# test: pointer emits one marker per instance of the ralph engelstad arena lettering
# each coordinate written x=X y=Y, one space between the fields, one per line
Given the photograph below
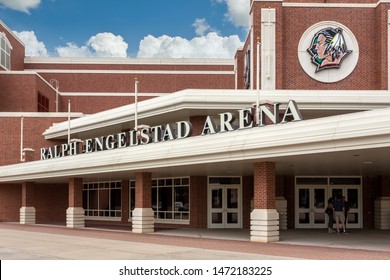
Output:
x=178 y=130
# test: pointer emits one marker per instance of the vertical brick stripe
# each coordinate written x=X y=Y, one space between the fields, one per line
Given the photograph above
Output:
x=143 y=190
x=264 y=185
x=75 y=192
x=27 y=194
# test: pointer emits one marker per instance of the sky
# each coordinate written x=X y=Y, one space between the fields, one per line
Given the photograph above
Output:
x=128 y=28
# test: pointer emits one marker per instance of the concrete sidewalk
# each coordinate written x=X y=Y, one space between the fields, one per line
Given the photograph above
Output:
x=40 y=242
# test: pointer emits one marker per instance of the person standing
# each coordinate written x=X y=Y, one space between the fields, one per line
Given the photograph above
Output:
x=339 y=211
x=346 y=210
x=329 y=211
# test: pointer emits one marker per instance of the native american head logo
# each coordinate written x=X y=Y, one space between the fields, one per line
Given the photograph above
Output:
x=328 y=48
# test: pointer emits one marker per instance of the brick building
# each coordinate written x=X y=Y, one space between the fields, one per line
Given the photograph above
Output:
x=260 y=141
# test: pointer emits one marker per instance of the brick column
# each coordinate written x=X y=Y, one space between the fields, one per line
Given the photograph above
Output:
x=143 y=214
x=27 y=211
x=75 y=217
x=264 y=217
x=125 y=201
x=198 y=201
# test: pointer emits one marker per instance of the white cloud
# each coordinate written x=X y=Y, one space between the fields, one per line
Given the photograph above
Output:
x=101 y=45
x=210 y=46
x=201 y=26
x=238 y=12
x=108 y=45
x=32 y=46
x=20 y=5
x=72 y=50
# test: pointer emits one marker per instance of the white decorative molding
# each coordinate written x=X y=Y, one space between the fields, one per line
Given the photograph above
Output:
x=27 y=215
x=264 y=225
x=75 y=217
x=382 y=213
x=143 y=220
x=268 y=49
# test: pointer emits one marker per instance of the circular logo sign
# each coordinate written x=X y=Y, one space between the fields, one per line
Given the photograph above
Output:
x=328 y=52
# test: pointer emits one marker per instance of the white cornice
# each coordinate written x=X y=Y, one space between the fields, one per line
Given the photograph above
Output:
x=128 y=61
x=39 y=115
x=147 y=72
x=330 y=5
x=105 y=94
x=325 y=5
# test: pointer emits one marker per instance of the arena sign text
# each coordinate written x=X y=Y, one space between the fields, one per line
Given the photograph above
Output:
x=179 y=130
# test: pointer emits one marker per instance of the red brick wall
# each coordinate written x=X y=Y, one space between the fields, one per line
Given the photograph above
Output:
x=33 y=129
x=19 y=93
x=247 y=195
x=10 y=202
x=51 y=202
x=198 y=201
x=150 y=83
x=371 y=189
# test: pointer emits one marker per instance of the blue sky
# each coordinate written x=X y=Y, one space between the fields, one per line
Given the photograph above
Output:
x=153 y=28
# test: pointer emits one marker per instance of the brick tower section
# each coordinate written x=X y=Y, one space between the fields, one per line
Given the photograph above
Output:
x=264 y=217
x=27 y=211
x=75 y=217
x=143 y=214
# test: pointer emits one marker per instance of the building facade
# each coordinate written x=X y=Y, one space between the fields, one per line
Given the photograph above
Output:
x=260 y=141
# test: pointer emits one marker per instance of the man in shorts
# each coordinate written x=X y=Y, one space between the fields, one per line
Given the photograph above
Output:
x=339 y=210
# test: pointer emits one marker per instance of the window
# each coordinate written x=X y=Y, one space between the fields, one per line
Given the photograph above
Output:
x=102 y=199
x=171 y=198
x=43 y=103
x=5 y=52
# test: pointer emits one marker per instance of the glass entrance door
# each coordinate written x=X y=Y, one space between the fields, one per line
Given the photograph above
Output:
x=311 y=199
x=224 y=206
x=352 y=196
x=311 y=207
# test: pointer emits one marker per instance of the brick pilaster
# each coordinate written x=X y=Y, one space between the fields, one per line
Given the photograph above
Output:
x=75 y=217
x=143 y=214
x=264 y=185
x=27 y=212
x=75 y=192
x=27 y=194
x=143 y=190
x=264 y=217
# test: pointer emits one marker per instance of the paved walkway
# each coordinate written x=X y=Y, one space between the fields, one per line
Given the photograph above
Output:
x=57 y=242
